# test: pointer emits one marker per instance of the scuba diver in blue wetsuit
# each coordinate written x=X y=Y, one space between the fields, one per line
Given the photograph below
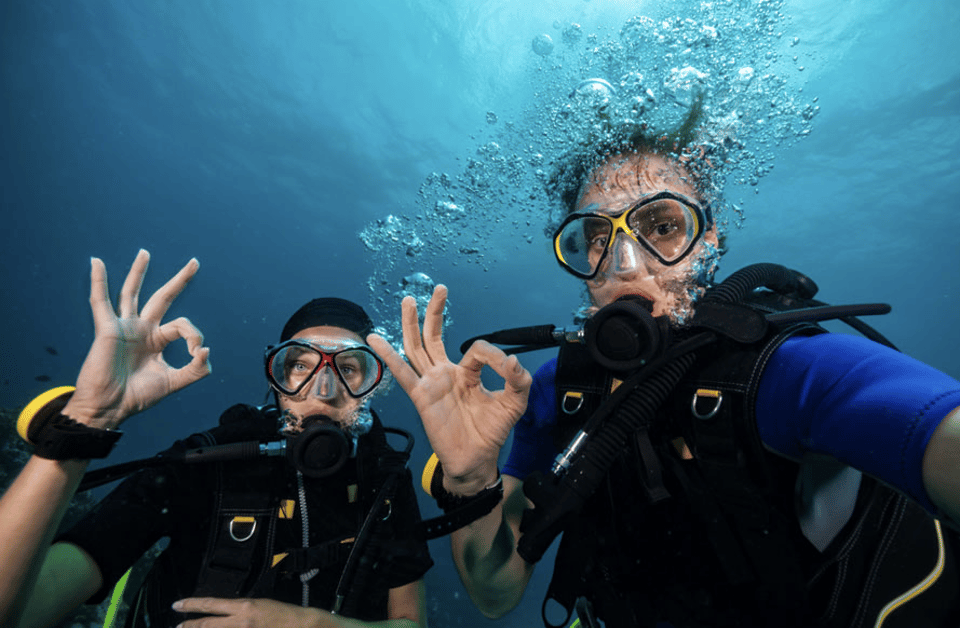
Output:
x=708 y=454
x=328 y=534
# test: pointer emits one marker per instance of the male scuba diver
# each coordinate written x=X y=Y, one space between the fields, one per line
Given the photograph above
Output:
x=315 y=525
x=707 y=458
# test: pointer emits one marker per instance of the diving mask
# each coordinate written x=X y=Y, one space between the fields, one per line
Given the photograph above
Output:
x=667 y=225
x=292 y=364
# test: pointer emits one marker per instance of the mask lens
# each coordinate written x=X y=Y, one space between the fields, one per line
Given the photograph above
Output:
x=667 y=226
x=292 y=366
x=359 y=369
x=580 y=243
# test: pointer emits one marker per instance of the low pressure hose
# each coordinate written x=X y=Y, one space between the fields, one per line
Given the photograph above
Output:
x=773 y=276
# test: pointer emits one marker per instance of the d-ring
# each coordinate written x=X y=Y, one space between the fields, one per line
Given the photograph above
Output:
x=711 y=394
x=240 y=522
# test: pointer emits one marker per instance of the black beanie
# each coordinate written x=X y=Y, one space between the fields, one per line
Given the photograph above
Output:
x=329 y=311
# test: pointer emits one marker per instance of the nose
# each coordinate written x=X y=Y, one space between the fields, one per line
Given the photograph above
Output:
x=325 y=387
x=627 y=256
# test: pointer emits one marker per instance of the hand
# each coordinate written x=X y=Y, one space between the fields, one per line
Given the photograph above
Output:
x=252 y=613
x=467 y=424
x=124 y=372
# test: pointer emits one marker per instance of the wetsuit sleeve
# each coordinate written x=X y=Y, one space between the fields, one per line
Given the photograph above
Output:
x=532 y=448
x=867 y=405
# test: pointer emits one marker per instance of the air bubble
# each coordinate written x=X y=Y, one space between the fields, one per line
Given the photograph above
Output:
x=542 y=45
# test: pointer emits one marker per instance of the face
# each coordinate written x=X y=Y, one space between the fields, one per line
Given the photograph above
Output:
x=324 y=393
x=629 y=268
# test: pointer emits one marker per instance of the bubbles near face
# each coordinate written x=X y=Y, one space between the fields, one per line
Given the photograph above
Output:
x=324 y=394
x=628 y=268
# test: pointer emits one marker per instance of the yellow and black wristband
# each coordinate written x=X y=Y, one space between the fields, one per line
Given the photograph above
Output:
x=57 y=437
x=459 y=510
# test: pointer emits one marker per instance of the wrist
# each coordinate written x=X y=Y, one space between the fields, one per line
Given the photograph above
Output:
x=438 y=486
x=100 y=421
x=473 y=482
x=57 y=436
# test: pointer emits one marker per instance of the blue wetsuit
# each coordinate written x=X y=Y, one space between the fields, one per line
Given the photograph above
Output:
x=867 y=405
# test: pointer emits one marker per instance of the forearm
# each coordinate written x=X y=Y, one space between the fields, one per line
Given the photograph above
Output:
x=30 y=512
x=485 y=553
x=941 y=466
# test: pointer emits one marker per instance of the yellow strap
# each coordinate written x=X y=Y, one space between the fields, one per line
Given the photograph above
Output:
x=287 y=508
x=428 y=470
x=38 y=403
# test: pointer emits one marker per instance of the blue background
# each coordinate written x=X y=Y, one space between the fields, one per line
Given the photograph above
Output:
x=262 y=137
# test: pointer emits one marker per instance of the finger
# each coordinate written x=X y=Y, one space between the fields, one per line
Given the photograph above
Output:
x=402 y=372
x=412 y=343
x=199 y=365
x=481 y=353
x=130 y=292
x=517 y=380
x=99 y=294
x=161 y=300
x=433 y=325
x=213 y=605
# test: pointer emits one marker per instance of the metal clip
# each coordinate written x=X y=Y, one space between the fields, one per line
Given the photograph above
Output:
x=242 y=521
x=575 y=400
x=711 y=394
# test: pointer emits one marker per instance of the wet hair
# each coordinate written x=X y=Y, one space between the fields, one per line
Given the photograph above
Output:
x=572 y=170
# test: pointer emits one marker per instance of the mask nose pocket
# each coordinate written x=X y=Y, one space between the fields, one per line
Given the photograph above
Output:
x=326 y=385
x=626 y=255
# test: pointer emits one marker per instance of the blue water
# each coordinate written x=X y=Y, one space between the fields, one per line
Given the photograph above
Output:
x=263 y=138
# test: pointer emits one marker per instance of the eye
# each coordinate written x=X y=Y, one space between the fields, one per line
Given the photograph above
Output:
x=599 y=242
x=663 y=229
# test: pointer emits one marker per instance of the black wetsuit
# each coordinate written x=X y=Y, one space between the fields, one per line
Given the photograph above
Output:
x=178 y=501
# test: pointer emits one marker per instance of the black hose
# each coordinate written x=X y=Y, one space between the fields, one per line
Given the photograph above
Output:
x=348 y=581
x=246 y=450
x=774 y=276
x=534 y=337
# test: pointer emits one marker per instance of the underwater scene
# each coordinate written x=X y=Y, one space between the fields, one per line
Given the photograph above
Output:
x=371 y=150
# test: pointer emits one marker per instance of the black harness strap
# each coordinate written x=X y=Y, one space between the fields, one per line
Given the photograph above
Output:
x=242 y=530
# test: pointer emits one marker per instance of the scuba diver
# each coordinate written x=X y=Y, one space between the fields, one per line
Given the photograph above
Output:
x=313 y=523
x=708 y=455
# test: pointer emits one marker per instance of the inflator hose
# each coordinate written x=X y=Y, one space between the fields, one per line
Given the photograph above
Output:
x=776 y=277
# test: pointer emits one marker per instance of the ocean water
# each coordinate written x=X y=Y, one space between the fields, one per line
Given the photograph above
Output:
x=300 y=149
